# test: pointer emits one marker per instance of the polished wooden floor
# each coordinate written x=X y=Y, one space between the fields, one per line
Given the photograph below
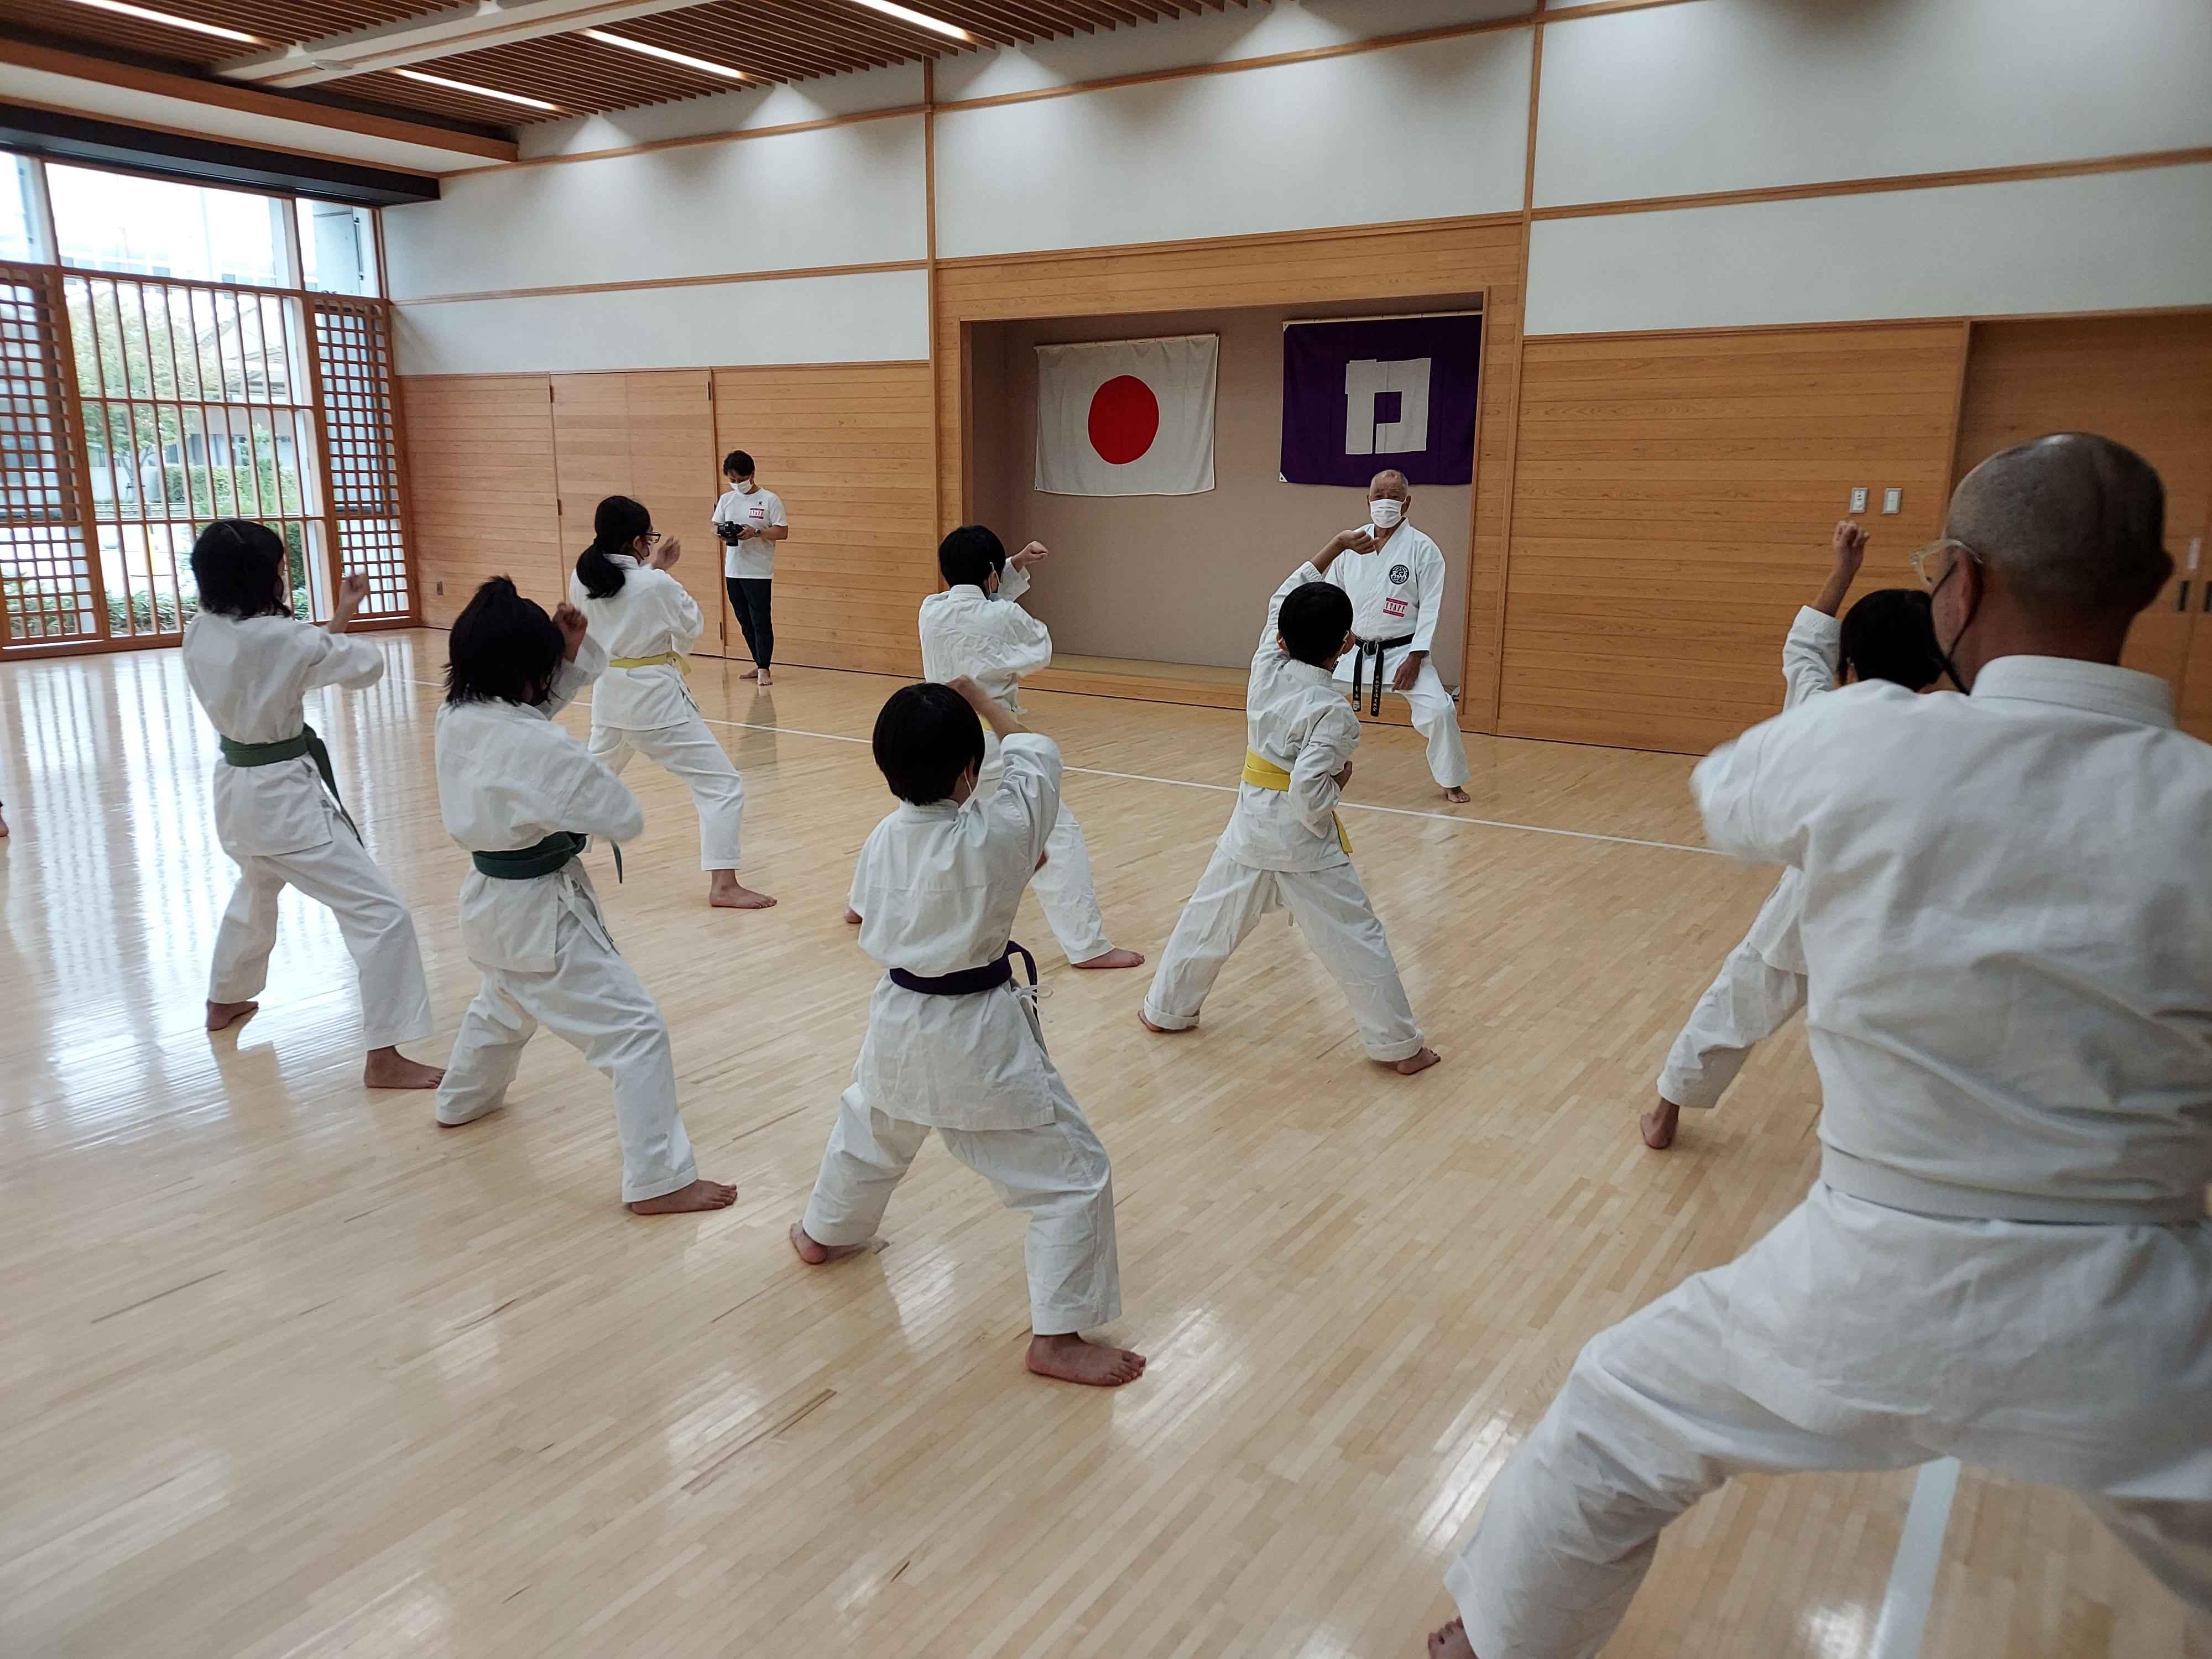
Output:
x=287 y=1372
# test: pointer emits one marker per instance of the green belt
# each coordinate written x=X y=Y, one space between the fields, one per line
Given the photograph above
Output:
x=270 y=754
x=528 y=863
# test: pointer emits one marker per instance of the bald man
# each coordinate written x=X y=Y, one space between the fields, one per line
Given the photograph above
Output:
x=1395 y=577
x=2006 y=1259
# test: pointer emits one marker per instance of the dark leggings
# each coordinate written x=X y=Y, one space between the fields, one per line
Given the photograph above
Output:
x=748 y=598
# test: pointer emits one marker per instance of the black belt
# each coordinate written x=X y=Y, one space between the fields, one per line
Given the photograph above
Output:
x=1363 y=649
x=528 y=863
x=968 y=981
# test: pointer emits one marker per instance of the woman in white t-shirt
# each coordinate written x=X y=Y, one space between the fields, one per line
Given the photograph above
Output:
x=751 y=522
x=647 y=622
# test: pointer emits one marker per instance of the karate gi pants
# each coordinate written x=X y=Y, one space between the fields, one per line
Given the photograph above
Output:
x=1057 y=1172
x=341 y=876
x=689 y=752
x=1750 y=1002
x=1329 y=907
x=1858 y=1337
x=593 y=1001
x=1062 y=885
x=1436 y=717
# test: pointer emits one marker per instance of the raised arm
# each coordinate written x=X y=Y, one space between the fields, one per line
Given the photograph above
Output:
x=1014 y=580
x=353 y=664
x=583 y=659
x=1323 y=762
x=1361 y=540
x=1308 y=572
x=1847 y=549
x=1812 y=654
x=1028 y=795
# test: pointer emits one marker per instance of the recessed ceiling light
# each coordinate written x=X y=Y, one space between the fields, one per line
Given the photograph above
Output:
x=477 y=91
x=170 y=20
x=907 y=15
x=664 y=55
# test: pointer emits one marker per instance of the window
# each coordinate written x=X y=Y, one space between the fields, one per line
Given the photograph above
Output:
x=337 y=247
x=20 y=237
x=152 y=227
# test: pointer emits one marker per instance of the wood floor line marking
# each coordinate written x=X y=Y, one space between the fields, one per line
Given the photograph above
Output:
x=1230 y=789
x=1903 y=1621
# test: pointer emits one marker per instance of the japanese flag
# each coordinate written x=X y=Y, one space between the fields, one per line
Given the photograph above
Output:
x=1126 y=417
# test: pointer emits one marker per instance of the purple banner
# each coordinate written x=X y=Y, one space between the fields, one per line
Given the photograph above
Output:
x=1395 y=391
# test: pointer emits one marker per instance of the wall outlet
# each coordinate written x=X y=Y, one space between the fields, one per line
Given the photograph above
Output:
x=441 y=590
x=1892 y=501
x=1858 y=498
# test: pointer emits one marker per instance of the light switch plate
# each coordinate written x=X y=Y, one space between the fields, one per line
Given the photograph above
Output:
x=1858 y=498
x=1892 y=501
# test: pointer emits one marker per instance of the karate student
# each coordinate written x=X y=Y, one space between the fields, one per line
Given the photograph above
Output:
x=1395 y=577
x=953 y=1044
x=978 y=628
x=1887 y=636
x=1284 y=847
x=522 y=796
x=750 y=521
x=250 y=662
x=646 y=623
x=2006 y=1259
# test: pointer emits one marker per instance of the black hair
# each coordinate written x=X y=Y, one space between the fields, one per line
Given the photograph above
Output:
x=1313 y=621
x=1890 y=634
x=970 y=556
x=236 y=563
x=738 y=462
x=503 y=649
x=926 y=736
x=615 y=529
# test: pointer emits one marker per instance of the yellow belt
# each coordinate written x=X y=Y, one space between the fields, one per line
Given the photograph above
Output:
x=652 y=661
x=1263 y=773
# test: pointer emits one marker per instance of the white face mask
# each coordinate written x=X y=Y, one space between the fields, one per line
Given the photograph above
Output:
x=1385 y=513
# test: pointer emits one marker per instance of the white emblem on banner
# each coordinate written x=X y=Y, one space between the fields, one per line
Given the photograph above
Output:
x=1366 y=381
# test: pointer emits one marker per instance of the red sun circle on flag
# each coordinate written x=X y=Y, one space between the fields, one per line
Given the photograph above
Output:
x=1125 y=418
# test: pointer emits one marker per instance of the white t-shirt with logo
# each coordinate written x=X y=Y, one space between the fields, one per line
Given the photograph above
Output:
x=752 y=558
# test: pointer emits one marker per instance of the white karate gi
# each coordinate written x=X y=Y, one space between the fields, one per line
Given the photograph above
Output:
x=994 y=641
x=283 y=829
x=649 y=712
x=1762 y=981
x=2006 y=1259
x=937 y=887
x=1396 y=590
x=1281 y=851
x=507 y=778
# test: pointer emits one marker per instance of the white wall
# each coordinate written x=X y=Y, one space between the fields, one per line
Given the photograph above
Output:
x=870 y=316
x=897 y=87
x=847 y=195
x=1412 y=132
x=1734 y=94
x=2093 y=242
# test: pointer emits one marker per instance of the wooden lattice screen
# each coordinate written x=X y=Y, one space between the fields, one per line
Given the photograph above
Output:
x=49 y=576
x=354 y=369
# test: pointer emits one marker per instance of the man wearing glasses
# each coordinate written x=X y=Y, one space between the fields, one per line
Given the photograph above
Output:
x=2008 y=922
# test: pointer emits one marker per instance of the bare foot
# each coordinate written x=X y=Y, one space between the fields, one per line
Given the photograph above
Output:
x=1112 y=959
x=749 y=674
x=765 y=681
x=388 y=1069
x=1458 y=796
x=852 y=917
x=1659 y=1123
x=699 y=1196
x=1450 y=1642
x=814 y=1254
x=1420 y=1062
x=1071 y=1360
x=726 y=892
x=221 y=1014
x=1145 y=1020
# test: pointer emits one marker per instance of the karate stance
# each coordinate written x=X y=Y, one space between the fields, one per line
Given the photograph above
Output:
x=522 y=796
x=646 y=623
x=1887 y=636
x=978 y=628
x=952 y=1043
x=750 y=521
x=250 y=663
x=1395 y=577
x=2006 y=1259
x=1285 y=847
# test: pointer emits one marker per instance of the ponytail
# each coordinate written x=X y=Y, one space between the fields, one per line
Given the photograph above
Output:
x=615 y=529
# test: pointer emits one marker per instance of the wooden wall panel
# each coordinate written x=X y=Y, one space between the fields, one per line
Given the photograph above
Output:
x=1675 y=498
x=1316 y=268
x=2146 y=381
x=846 y=446
x=481 y=474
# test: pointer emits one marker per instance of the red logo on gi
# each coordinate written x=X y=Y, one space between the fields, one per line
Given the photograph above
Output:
x=1395 y=607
